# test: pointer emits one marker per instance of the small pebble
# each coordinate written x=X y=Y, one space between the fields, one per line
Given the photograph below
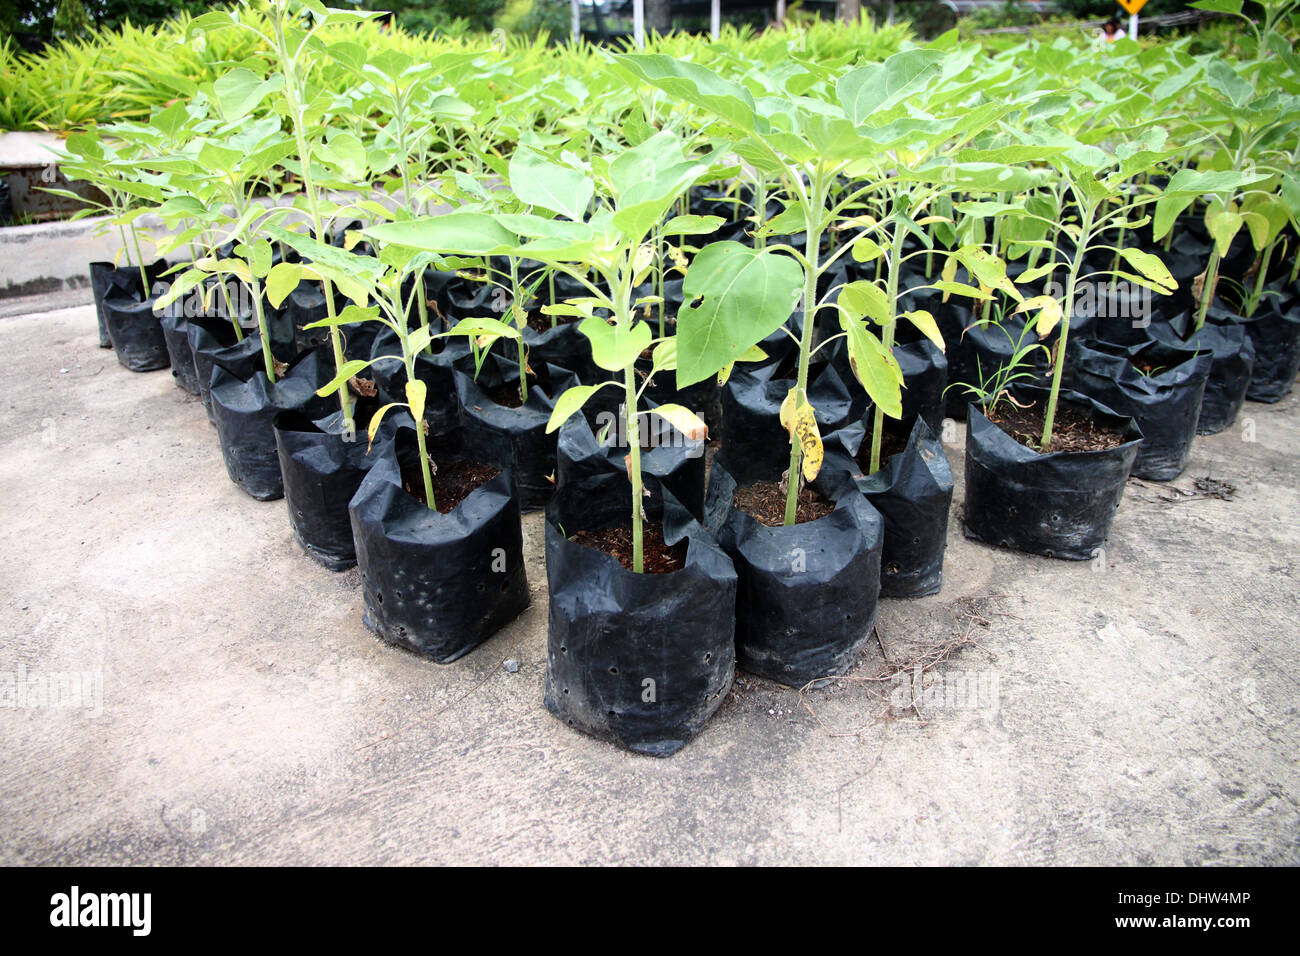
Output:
x=511 y=666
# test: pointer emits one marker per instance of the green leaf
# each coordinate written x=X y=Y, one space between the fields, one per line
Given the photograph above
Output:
x=350 y=368
x=875 y=368
x=988 y=268
x=240 y=91
x=865 y=298
x=866 y=249
x=879 y=86
x=570 y=402
x=693 y=84
x=466 y=233
x=539 y=182
x=692 y=225
x=283 y=278
x=924 y=321
x=735 y=297
x=615 y=347
x=1150 y=266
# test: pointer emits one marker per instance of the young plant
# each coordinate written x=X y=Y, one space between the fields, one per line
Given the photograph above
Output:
x=636 y=189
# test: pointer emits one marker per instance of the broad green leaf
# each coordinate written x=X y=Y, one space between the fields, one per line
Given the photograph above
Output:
x=735 y=297
x=466 y=233
x=615 y=347
x=539 y=182
x=866 y=249
x=875 y=368
x=879 y=86
x=283 y=278
x=865 y=298
x=988 y=268
x=349 y=369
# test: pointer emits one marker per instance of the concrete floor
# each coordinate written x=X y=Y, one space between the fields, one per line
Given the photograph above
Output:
x=1140 y=709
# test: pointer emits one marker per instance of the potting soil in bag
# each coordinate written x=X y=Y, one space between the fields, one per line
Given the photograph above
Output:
x=437 y=584
x=1231 y=366
x=807 y=593
x=668 y=458
x=1060 y=505
x=913 y=493
x=641 y=660
x=245 y=412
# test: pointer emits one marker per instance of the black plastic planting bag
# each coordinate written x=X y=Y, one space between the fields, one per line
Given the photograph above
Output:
x=176 y=334
x=437 y=584
x=213 y=344
x=321 y=472
x=244 y=413
x=514 y=439
x=1059 y=505
x=671 y=460
x=108 y=280
x=1231 y=367
x=562 y=345
x=913 y=493
x=703 y=398
x=441 y=406
x=136 y=334
x=1276 y=338
x=304 y=305
x=925 y=378
x=642 y=660
x=1165 y=404
x=807 y=593
x=754 y=445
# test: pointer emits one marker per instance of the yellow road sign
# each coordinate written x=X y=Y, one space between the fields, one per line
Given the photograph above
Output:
x=1132 y=6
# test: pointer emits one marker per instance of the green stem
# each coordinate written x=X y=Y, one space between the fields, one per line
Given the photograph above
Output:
x=139 y=261
x=521 y=321
x=812 y=246
x=1207 y=288
x=1067 y=310
x=634 y=465
x=1253 y=302
x=887 y=339
x=424 y=451
x=267 y=358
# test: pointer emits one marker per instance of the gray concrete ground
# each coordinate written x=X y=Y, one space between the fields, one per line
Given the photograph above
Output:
x=1133 y=710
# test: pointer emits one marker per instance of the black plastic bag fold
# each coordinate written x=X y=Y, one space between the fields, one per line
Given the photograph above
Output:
x=913 y=494
x=244 y=413
x=640 y=660
x=1231 y=366
x=436 y=584
x=1165 y=403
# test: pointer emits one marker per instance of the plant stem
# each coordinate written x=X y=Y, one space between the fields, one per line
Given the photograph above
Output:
x=1208 y=284
x=812 y=245
x=1067 y=308
x=267 y=358
x=139 y=261
x=1252 y=302
x=424 y=456
x=634 y=465
x=887 y=338
x=293 y=95
x=521 y=322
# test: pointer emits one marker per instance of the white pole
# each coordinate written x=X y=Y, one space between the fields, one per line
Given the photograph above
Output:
x=780 y=11
x=1132 y=26
x=575 y=8
x=715 y=18
x=638 y=23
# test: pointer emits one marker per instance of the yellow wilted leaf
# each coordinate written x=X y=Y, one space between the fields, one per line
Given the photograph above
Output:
x=798 y=418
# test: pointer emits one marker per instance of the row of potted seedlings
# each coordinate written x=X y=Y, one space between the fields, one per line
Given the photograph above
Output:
x=820 y=278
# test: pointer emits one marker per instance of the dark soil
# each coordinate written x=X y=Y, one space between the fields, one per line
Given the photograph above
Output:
x=657 y=557
x=539 y=322
x=453 y=481
x=892 y=441
x=764 y=501
x=1071 y=431
x=507 y=396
